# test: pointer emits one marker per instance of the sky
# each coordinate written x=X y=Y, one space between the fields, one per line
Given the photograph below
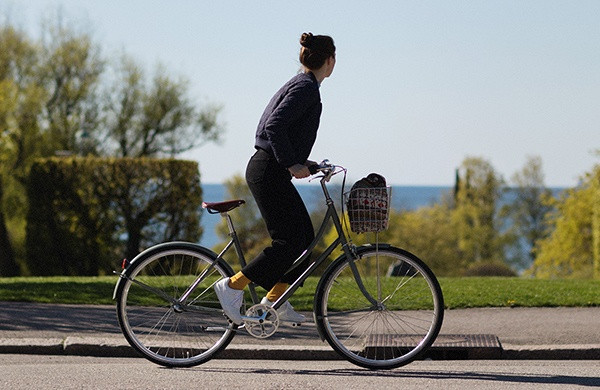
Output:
x=418 y=85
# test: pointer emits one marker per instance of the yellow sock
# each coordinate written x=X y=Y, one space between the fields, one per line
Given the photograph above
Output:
x=239 y=281
x=277 y=291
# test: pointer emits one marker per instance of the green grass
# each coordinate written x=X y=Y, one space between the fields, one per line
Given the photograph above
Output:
x=58 y=289
x=518 y=292
x=458 y=292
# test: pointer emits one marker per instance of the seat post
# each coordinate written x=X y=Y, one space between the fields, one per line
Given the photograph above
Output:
x=229 y=223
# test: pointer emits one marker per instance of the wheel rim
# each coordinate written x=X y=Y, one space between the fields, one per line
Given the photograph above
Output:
x=167 y=331
x=399 y=322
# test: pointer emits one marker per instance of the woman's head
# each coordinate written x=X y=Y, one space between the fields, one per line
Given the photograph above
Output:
x=316 y=50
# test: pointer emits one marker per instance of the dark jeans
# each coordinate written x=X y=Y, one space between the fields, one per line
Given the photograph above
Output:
x=286 y=218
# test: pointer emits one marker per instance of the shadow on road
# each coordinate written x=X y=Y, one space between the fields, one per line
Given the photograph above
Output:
x=59 y=318
x=434 y=375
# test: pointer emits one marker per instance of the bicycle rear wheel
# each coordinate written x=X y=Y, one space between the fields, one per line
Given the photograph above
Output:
x=151 y=316
x=390 y=321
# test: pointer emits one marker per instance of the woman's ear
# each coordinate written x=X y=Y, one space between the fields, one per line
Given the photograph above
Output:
x=330 y=64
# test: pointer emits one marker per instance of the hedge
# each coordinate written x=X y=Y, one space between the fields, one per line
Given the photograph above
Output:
x=87 y=214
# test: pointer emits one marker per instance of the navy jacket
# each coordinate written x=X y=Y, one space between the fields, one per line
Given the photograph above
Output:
x=288 y=127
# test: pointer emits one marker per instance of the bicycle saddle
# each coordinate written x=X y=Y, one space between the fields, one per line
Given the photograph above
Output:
x=222 y=207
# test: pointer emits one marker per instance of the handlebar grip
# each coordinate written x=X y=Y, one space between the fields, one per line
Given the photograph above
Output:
x=313 y=169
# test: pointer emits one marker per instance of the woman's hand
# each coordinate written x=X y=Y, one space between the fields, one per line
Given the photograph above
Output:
x=299 y=171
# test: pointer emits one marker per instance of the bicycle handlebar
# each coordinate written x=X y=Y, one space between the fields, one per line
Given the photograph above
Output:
x=327 y=169
x=321 y=167
x=313 y=169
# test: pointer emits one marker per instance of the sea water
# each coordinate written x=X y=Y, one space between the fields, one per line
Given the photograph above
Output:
x=403 y=198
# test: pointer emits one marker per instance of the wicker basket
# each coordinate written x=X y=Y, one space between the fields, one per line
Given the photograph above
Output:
x=368 y=209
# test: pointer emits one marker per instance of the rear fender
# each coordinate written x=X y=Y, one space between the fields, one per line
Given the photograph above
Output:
x=128 y=266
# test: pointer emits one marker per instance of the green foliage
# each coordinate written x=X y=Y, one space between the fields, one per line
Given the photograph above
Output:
x=431 y=234
x=568 y=252
x=21 y=101
x=59 y=95
x=70 y=70
x=489 y=269
x=596 y=223
x=428 y=232
x=88 y=213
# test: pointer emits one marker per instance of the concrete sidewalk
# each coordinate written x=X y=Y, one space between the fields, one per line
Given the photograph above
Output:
x=490 y=333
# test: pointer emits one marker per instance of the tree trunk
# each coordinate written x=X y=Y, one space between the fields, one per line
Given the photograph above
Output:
x=8 y=264
x=596 y=224
x=134 y=232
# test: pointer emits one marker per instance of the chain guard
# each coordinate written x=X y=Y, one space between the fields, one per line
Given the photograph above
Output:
x=263 y=321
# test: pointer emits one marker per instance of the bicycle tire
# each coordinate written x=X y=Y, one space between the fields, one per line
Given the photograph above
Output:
x=154 y=324
x=398 y=326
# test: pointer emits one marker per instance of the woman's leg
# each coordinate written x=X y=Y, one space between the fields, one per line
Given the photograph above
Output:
x=286 y=218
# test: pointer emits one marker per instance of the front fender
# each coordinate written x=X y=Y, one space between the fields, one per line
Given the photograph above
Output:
x=358 y=250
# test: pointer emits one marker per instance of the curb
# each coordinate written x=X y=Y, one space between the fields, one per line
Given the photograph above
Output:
x=552 y=352
x=76 y=346
x=101 y=347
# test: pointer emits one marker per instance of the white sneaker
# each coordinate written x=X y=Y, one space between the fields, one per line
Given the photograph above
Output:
x=230 y=299
x=286 y=312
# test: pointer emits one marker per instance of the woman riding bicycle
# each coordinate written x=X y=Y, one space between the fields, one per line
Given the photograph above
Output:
x=284 y=138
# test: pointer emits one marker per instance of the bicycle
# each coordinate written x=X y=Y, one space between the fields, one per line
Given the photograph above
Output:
x=378 y=306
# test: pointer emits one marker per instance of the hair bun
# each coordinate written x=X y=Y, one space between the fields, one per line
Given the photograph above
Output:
x=306 y=40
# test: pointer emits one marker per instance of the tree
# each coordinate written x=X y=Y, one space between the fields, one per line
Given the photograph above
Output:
x=70 y=74
x=596 y=222
x=8 y=263
x=527 y=210
x=475 y=215
x=431 y=234
x=568 y=251
x=20 y=97
x=122 y=107
x=55 y=97
x=155 y=119
x=46 y=91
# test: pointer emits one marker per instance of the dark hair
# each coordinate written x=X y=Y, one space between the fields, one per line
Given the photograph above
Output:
x=316 y=49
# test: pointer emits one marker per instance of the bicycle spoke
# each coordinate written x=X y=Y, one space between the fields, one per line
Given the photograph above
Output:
x=153 y=290
x=400 y=285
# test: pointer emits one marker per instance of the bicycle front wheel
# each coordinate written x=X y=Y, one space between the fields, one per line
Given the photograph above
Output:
x=154 y=318
x=381 y=310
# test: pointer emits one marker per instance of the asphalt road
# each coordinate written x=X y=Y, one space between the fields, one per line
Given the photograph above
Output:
x=75 y=372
